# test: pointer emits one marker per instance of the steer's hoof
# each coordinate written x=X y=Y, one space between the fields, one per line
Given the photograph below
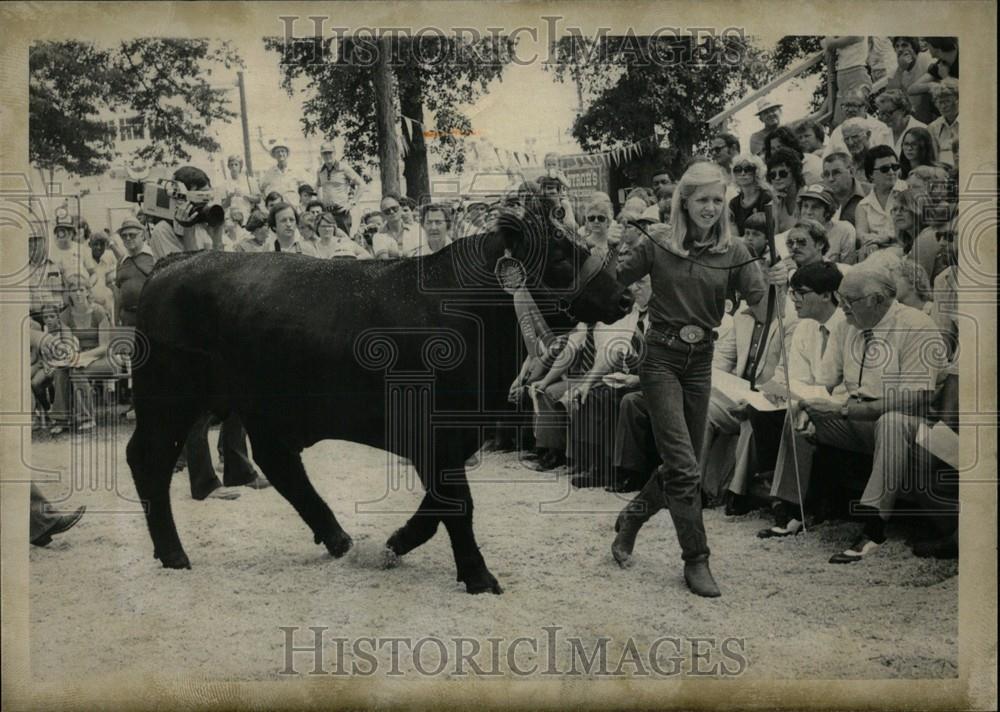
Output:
x=174 y=560
x=390 y=559
x=338 y=544
x=483 y=582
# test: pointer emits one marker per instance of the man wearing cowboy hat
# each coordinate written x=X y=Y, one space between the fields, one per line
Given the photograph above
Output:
x=769 y=113
x=338 y=185
x=280 y=177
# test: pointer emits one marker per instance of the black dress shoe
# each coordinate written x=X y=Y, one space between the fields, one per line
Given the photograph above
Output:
x=700 y=580
x=587 y=479
x=58 y=526
x=738 y=504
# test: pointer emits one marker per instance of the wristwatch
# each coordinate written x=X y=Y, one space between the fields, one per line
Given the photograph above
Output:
x=845 y=411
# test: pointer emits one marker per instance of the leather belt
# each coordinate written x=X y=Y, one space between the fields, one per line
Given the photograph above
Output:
x=689 y=333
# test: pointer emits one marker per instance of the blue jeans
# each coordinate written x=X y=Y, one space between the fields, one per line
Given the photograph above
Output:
x=676 y=380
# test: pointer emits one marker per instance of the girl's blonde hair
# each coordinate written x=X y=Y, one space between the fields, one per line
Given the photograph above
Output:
x=698 y=175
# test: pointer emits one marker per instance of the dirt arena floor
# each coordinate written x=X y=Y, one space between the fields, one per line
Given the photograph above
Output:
x=100 y=602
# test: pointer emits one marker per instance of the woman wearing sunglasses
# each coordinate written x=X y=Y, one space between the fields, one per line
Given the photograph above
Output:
x=749 y=175
x=784 y=173
x=692 y=262
x=873 y=217
x=597 y=222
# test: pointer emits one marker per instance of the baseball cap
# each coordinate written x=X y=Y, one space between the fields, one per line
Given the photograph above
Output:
x=327 y=147
x=306 y=189
x=129 y=224
x=820 y=193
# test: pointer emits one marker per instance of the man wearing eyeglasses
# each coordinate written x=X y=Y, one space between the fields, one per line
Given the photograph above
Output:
x=895 y=112
x=813 y=293
x=838 y=176
x=880 y=355
x=855 y=105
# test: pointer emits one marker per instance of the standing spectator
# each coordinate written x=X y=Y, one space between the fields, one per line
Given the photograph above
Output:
x=475 y=219
x=238 y=189
x=132 y=271
x=881 y=57
x=754 y=193
x=90 y=325
x=817 y=203
x=944 y=129
x=838 y=176
x=394 y=239
x=552 y=188
x=918 y=149
x=886 y=393
x=663 y=189
x=851 y=67
x=282 y=221
x=184 y=232
x=261 y=239
x=724 y=148
x=769 y=114
x=912 y=64
x=339 y=186
x=894 y=110
x=104 y=273
x=45 y=281
x=855 y=106
x=873 y=216
x=784 y=172
x=598 y=219
x=70 y=255
x=280 y=177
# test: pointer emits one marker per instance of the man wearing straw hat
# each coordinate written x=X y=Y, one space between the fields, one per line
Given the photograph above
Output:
x=280 y=177
x=769 y=113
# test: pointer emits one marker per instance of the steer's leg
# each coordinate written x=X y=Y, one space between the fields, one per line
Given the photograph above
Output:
x=283 y=469
x=151 y=453
x=469 y=563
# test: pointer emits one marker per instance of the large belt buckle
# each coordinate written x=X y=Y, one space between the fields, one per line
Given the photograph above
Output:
x=691 y=334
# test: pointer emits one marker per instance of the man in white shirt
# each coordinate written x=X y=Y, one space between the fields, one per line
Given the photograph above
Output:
x=813 y=289
x=855 y=105
x=395 y=239
x=280 y=177
x=944 y=129
x=880 y=355
x=284 y=224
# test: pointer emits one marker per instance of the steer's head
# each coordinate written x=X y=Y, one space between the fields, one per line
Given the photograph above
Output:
x=557 y=267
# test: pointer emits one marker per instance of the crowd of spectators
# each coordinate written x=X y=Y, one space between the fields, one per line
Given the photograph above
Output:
x=863 y=214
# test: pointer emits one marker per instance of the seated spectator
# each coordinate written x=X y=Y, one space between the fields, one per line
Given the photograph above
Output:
x=895 y=112
x=944 y=129
x=371 y=224
x=233 y=232
x=911 y=64
x=813 y=291
x=887 y=393
x=306 y=194
x=839 y=178
x=435 y=224
x=817 y=203
x=755 y=234
x=597 y=217
x=913 y=287
x=811 y=136
x=260 y=238
x=738 y=353
x=332 y=242
x=408 y=209
x=89 y=324
x=855 y=105
x=851 y=66
x=750 y=178
x=857 y=138
x=873 y=216
x=784 y=172
x=307 y=224
x=784 y=137
x=474 y=222
x=944 y=52
x=946 y=292
x=934 y=193
x=283 y=222
x=919 y=149
x=395 y=238
x=40 y=351
x=272 y=199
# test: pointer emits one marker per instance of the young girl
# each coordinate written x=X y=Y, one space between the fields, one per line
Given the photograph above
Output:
x=692 y=264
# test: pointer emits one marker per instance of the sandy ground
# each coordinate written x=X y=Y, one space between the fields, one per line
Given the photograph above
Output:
x=100 y=602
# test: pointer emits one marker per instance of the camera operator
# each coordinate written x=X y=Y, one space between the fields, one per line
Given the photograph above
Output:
x=198 y=221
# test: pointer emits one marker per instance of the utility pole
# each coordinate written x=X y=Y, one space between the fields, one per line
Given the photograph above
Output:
x=387 y=119
x=246 y=125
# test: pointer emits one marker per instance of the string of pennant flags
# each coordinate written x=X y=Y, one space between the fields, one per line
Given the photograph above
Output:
x=614 y=156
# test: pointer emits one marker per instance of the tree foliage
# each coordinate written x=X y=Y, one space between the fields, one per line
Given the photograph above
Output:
x=636 y=85
x=166 y=82
x=338 y=74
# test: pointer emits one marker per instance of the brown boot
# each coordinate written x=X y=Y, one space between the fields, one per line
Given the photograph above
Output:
x=700 y=580
x=648 y=502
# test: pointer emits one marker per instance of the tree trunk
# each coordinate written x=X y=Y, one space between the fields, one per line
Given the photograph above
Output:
x=387 y=119
x=411 y=104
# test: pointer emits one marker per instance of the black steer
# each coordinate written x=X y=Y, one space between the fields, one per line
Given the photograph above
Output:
x=300 y=348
